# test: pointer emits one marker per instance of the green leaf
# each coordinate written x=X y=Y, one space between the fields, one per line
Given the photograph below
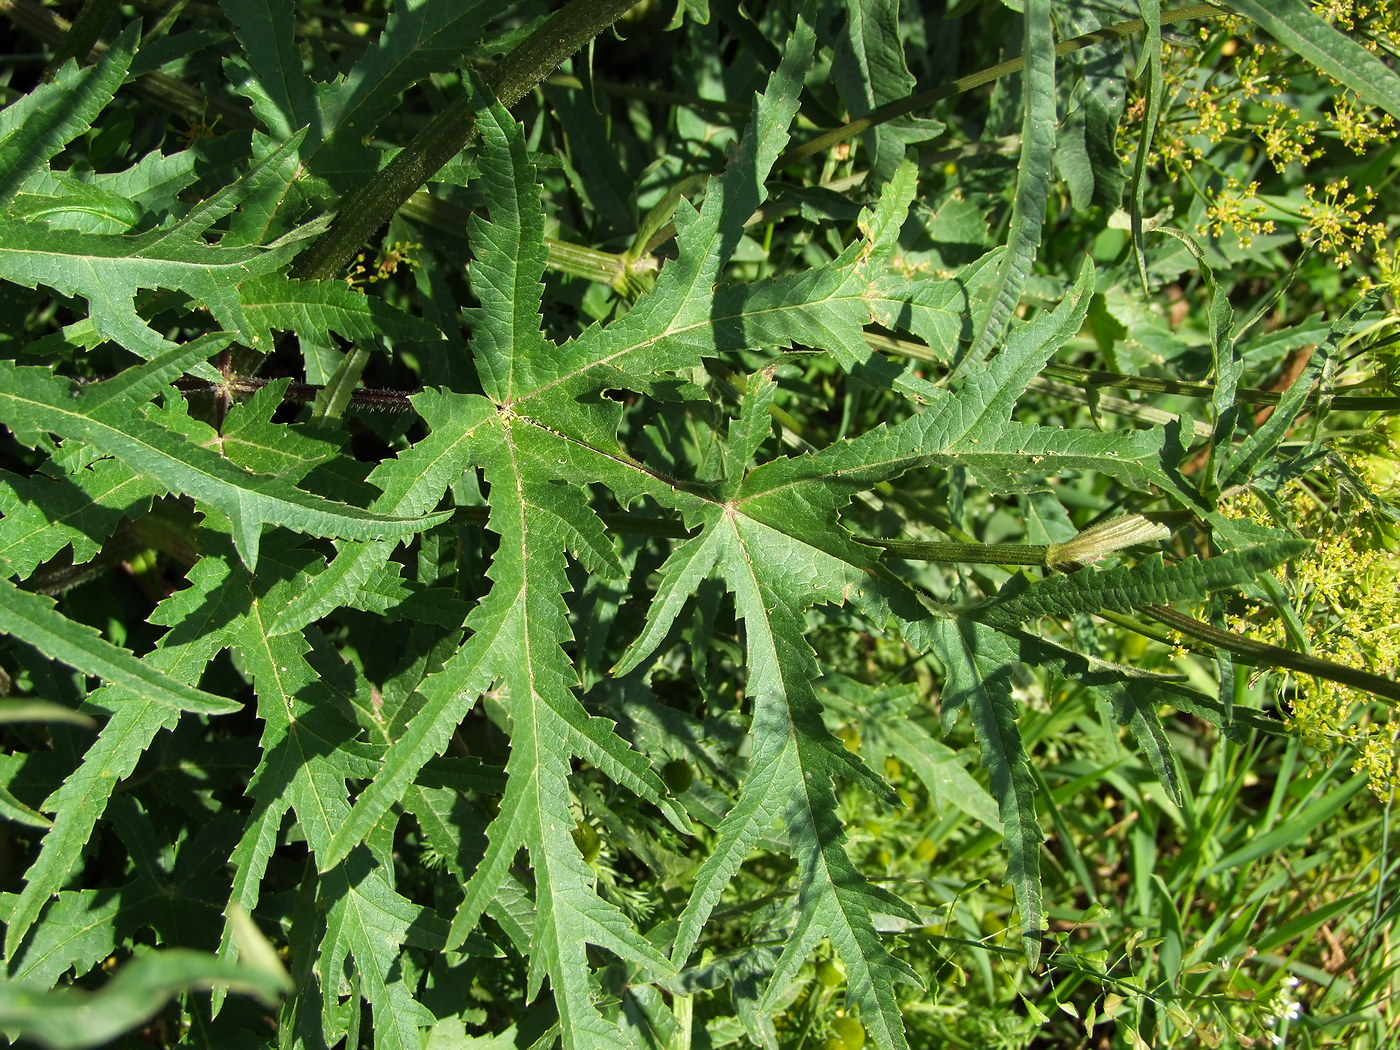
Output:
x=522 y=623
x=43 y=515
x=182 y=655
x=1032 y=182
x=516 y=633
x=978 y=661
x=37 y=126
x=37 y=400
x=885 y=717
x=1086 y=149
x=308 y=753
x=267 y=32
x=250 y=439
x=367 y=923
x=108 y=270
x=77 y=933
x=33 y=619
x=510 y=261
x=78 y=206
x=1125 y=588
x=412 y=484
x=506 y=266
x=869 y=69
x=795 y=759
x=274 y=301
x=78 y=804
x=69 y=1019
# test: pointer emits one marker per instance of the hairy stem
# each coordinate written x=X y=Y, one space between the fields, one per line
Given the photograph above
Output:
x=964 y=553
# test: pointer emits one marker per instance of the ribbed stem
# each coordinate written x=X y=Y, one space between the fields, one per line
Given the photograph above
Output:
x=964 y=553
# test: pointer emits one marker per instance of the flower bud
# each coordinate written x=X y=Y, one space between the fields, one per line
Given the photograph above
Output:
x=1095 y=542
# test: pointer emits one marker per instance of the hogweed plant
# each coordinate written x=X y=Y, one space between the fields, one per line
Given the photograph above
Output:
x=730 y=576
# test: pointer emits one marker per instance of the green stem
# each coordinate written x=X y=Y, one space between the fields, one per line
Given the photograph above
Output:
x=451 y=131
x=1262 y=654
x=1246 y=650
x=683 y=1009
x=964 y=553
x=577 y=260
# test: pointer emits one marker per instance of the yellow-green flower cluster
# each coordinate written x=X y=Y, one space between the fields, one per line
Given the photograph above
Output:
x=1359 y=125
x=400 y=253
x=1287 y=136
x=1240 y=102
x=1346 y=600
x=1337 y=223
x=1355 y=621
x=1238 y=208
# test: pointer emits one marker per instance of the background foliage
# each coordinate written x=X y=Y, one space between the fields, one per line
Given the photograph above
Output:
x=810 y=524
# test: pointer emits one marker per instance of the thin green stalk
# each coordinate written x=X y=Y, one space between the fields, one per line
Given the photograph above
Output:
x=1119 y=406
x=683 y=1009
x=1096 y=378
x=1205 y=639
x=924 y=99
x=577 y=260
x=452 y=130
